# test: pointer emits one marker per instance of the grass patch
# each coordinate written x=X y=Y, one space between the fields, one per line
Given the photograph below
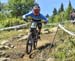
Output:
x=70 y=27
x=4 y=35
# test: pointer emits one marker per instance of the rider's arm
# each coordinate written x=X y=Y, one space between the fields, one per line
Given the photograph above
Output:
x=26 y=16
x=44 y=18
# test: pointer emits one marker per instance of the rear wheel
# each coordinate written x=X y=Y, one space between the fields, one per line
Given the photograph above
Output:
x=35 y=44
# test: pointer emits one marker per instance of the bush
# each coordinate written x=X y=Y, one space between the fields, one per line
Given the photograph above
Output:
x=11 y=22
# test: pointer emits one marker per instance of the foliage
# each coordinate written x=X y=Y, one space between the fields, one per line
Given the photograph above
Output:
x=68 y=11
x=1 y=6
x=11 y=22
x=61 y=9
x=54 y=11
x=70 y=27
x=16 y=8
x=4 y=35
x=47 y=16
x=20 y=7
x=61 y=15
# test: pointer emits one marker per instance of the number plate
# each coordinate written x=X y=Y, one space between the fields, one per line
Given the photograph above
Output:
x=33 y=25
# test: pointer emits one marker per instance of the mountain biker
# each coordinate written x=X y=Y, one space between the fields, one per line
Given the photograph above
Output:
x=36 y=15
x=72 y=16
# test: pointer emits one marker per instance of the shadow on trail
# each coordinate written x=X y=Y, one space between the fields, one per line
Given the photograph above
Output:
x=40 y=49
x=45 y=46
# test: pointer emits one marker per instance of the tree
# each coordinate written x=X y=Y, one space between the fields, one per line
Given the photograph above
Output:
x=61 y=9
x=20 y=7
x=54 y=11
x=68 y=11
x=1 y=6
x=47 y=15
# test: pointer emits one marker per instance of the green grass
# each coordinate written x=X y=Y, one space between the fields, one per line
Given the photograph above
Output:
x=5 y=35
x=70 y=27
x=11 y=22
x=64 y=49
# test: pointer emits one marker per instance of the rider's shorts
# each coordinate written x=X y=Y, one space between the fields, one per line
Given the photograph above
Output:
x=39 y=25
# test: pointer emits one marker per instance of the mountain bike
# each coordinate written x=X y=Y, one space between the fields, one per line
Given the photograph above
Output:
x=32 y=38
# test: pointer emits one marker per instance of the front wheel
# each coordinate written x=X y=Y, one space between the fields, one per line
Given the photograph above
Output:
x=35 y=40
x=29 y=45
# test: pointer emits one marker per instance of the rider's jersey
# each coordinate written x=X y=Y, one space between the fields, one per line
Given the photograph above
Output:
x=39 y=17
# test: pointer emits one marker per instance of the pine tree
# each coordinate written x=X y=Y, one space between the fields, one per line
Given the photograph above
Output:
x=54 y=11
x=61 y=8
x=68 y=11
x=1 y=6
x=47 y=15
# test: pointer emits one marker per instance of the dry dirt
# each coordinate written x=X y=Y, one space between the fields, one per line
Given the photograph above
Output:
x=18 y=53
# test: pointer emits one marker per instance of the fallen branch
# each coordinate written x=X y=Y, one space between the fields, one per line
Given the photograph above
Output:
x=67 y=31
x=14 y=27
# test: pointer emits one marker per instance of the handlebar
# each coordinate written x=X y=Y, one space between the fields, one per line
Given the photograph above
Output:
x=30 y=19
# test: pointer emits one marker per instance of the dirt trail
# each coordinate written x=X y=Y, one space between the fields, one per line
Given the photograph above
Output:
x=18 y=53
x=45 y=40
x=20 y=47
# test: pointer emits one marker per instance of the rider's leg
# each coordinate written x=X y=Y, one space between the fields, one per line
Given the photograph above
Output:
x=39 y=29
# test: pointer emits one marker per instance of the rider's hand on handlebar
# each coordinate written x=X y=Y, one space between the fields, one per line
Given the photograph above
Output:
x=25 y=20
x=45 y=22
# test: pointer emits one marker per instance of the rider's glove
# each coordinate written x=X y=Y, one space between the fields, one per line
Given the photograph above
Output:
x=25 y=20
x=45 y=22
